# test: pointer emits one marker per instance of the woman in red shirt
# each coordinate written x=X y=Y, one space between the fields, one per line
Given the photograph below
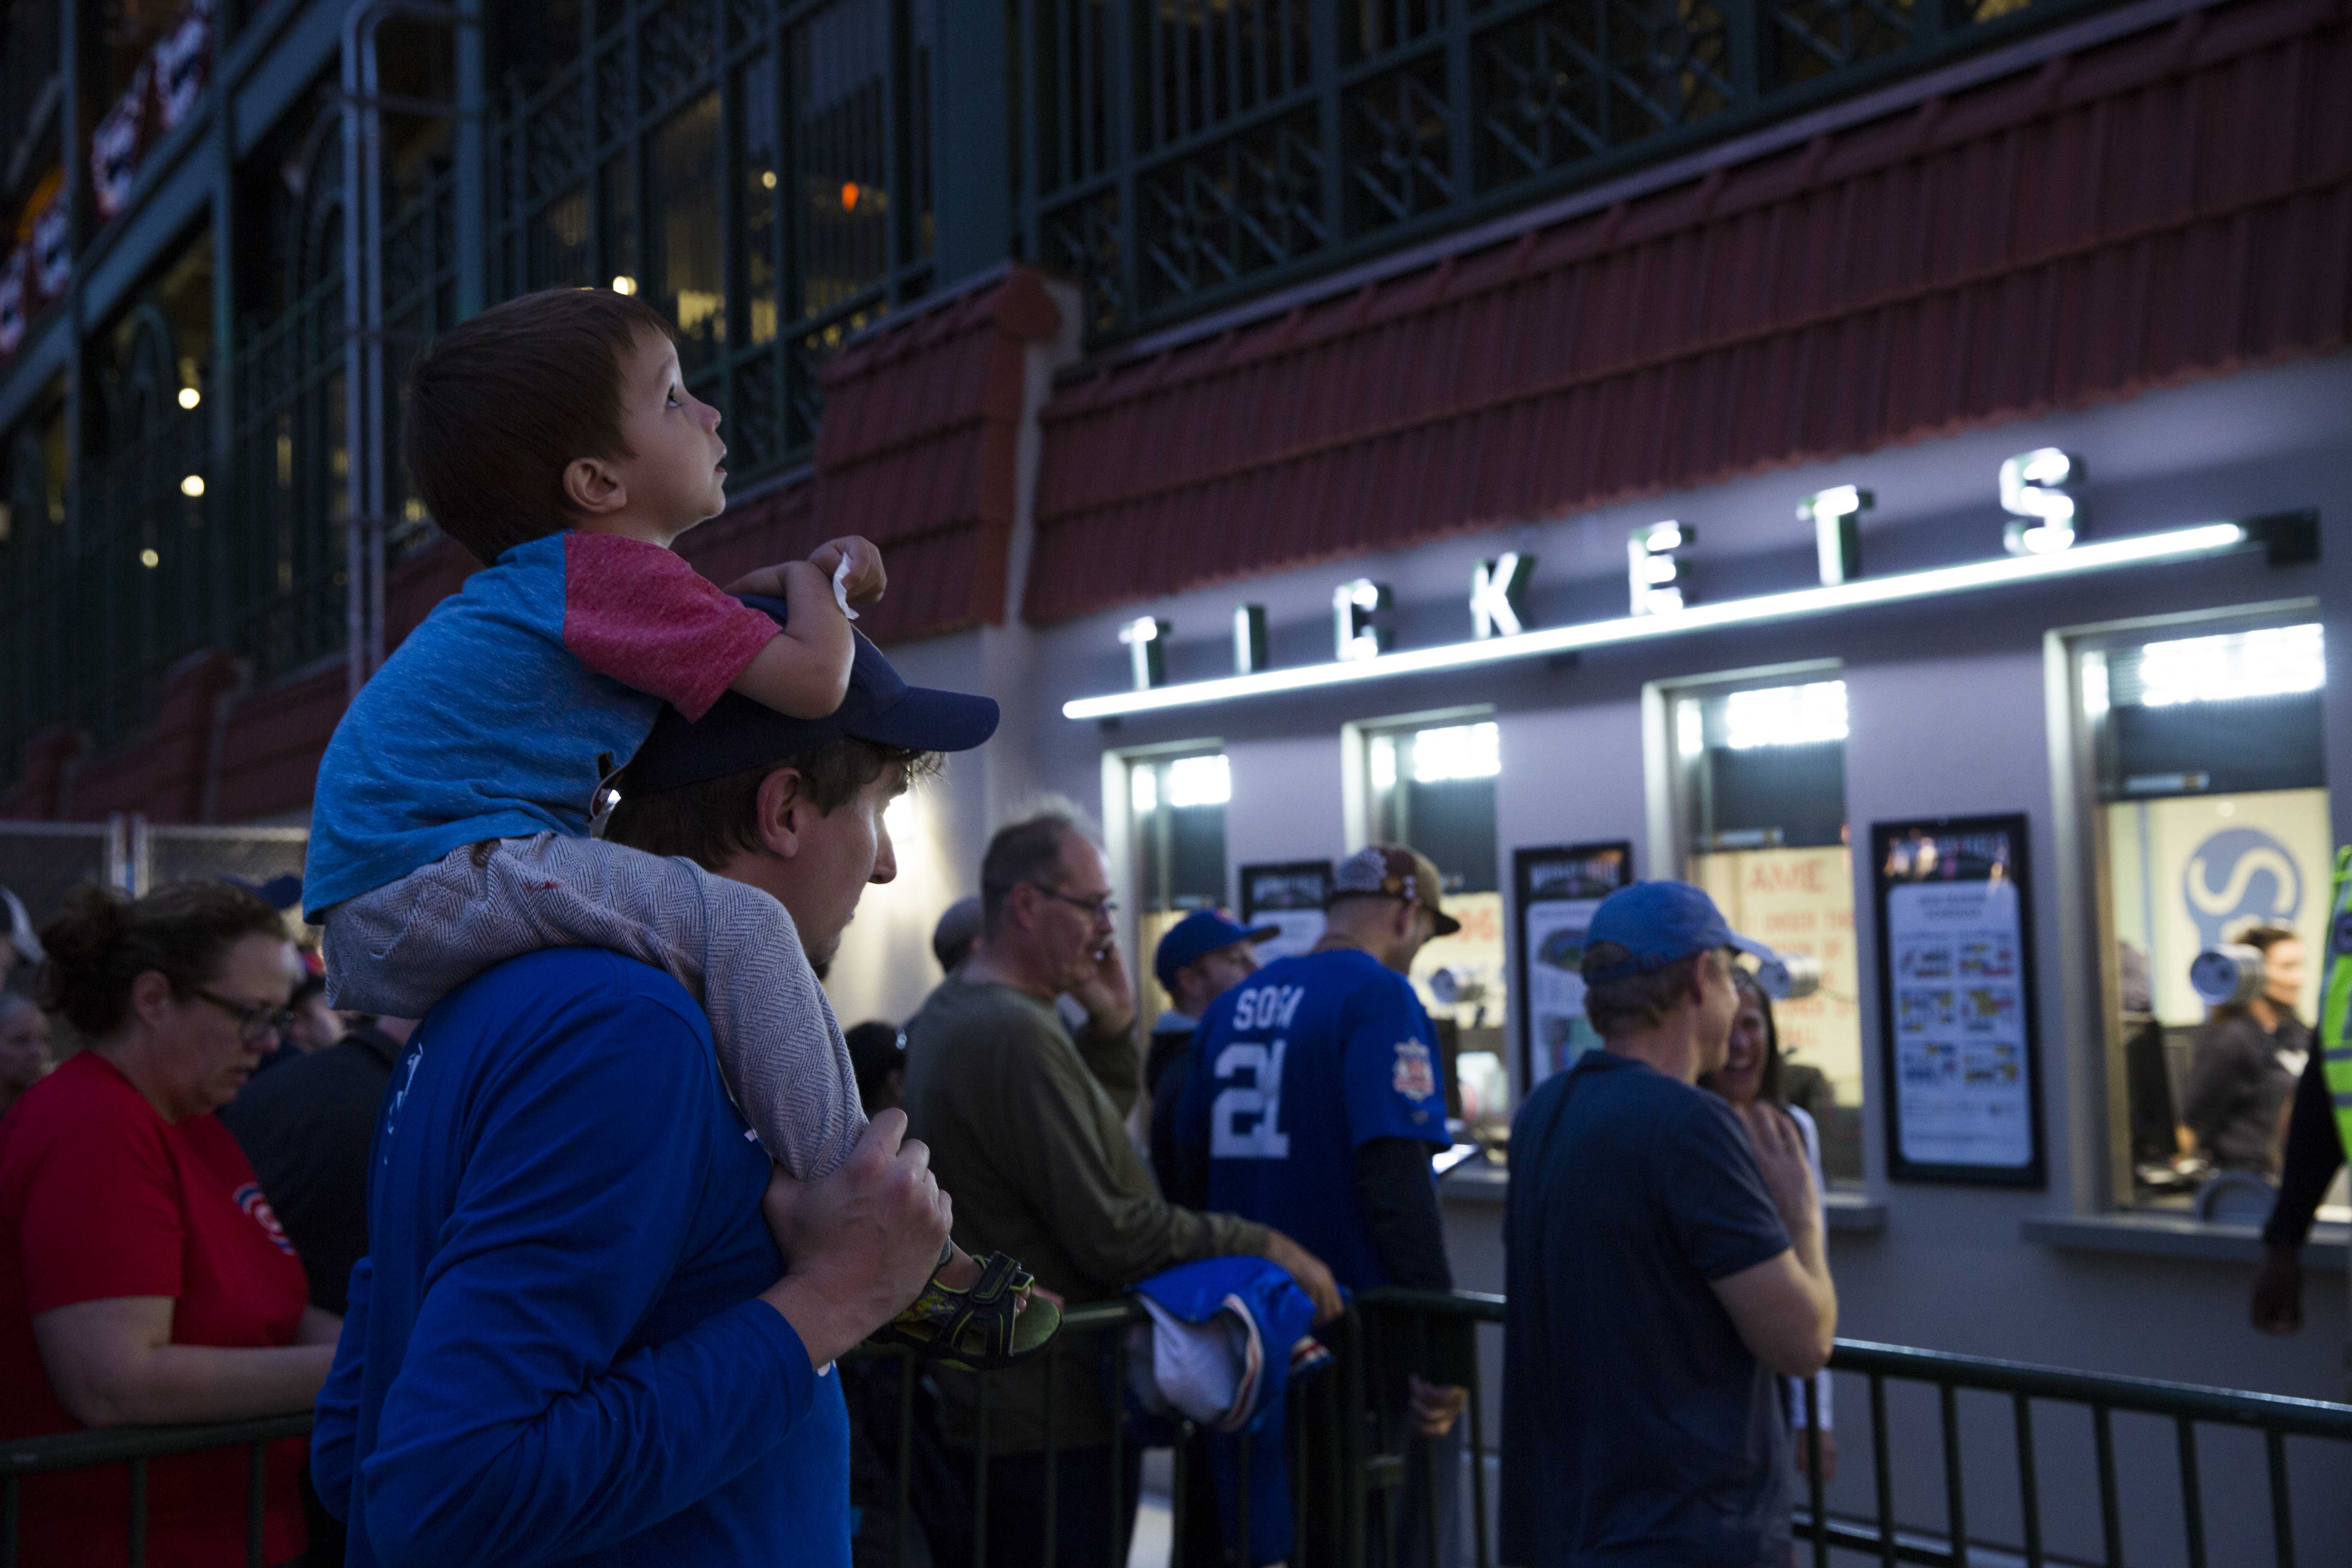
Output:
x=142 y=1276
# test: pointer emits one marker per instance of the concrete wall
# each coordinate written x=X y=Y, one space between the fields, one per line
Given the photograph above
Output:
x=1948 y=716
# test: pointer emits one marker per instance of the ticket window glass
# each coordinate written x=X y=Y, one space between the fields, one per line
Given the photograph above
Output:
x=1432 y=786
x=2211 y=796
x=1762 y=777
x=1177 y=815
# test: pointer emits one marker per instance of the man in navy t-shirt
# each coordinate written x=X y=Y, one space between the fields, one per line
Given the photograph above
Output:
x=1663 y=1262
x=1312 y=1104
x=571 y=1340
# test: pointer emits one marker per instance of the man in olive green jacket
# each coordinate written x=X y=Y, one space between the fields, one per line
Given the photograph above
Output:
x=1026 y=1125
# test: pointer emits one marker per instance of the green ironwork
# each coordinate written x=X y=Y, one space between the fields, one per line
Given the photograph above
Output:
x=758 y=170
x=763 y=172
x=1179 y=155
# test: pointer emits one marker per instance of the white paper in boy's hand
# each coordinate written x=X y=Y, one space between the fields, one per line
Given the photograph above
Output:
x=841 y=588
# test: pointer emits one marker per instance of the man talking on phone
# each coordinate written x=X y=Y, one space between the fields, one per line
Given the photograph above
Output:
x=1026 y=1126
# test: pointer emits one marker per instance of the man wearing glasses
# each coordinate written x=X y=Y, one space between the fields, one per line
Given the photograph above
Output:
x=1026 y=1124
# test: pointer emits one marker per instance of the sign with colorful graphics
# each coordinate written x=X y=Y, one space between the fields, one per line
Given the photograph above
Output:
x=1555 y=889
x=1956 y=1001
x=2190 y=872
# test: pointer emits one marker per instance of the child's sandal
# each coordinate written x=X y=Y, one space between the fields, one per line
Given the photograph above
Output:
x=978 y=1329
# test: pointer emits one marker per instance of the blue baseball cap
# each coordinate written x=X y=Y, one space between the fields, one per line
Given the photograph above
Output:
x=1201 y=931
x=1661 y=923
x=738 y=733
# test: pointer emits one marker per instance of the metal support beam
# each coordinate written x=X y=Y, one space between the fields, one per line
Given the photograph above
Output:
x=473 y=152
x=365 y=395
x=972 y=136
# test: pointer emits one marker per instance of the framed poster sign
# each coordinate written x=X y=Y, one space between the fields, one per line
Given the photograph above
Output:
x=1291 y=895
x=1555 y=891
x=1955 y=1003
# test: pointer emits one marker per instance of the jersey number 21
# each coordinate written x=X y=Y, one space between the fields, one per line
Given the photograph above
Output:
x=1242 y=1117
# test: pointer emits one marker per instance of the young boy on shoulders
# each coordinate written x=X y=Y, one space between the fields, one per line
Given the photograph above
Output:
x=553 y=437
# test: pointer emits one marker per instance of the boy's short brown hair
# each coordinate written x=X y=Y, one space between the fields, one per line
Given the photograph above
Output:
x=499 y=407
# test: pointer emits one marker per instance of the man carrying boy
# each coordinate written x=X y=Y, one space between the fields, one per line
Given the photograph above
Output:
x=571 y=1341
x=553 y=437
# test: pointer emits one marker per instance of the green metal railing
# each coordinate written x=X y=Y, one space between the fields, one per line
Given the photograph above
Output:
x=137 y=1446
x=1349 y=1452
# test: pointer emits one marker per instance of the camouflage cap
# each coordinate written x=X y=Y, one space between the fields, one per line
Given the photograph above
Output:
x=1394 y=871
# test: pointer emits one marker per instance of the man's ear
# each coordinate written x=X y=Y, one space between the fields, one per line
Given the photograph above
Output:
x=783 y=808
x=591 y=486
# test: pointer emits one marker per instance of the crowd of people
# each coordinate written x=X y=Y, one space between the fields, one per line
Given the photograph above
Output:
x=552 y=1186
x=212 y=1269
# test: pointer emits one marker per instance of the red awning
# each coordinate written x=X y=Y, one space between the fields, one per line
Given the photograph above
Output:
x=2175 y=203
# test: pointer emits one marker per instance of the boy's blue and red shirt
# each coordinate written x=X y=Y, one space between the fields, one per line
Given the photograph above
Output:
x=498 y=716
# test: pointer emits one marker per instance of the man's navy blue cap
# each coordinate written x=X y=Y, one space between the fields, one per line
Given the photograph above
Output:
x=738 y=734
x=1201 y=931
x=1661 y=923
x=280 y=893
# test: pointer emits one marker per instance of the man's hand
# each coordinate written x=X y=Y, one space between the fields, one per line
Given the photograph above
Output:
x=1099 y=983
x=1307 y=1270
x=1788 y=1173
x=1435 y=1405
x=866 y=579
x=858 y=1245
x=2278 y=1291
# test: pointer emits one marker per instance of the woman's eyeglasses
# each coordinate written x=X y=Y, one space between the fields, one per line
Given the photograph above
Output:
x=256 y=1021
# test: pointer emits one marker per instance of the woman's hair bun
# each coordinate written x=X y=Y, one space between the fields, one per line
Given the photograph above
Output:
x=104 y=940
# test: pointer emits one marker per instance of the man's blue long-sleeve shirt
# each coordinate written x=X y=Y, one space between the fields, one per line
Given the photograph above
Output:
x=553 y=1353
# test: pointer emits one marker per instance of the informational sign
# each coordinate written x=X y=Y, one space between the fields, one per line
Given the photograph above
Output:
x=1291 y=895
x=1956 y=1001
x=1555 y=889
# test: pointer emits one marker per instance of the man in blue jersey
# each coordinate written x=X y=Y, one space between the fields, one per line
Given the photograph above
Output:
x=1313 y=1105
x=593 y=1329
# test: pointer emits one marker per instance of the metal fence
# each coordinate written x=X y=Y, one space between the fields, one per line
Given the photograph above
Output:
x=41 y=862
x=1350 y=1456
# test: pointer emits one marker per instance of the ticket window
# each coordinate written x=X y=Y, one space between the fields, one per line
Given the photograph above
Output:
x=1176 y=824
x=1761 y=806
x=1432 y=786
x=2209 y=777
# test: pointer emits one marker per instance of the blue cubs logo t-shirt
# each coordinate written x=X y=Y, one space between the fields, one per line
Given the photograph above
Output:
x=1293 y=1071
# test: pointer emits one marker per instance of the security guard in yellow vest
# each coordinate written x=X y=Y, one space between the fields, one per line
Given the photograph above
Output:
x=2318 y=1130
